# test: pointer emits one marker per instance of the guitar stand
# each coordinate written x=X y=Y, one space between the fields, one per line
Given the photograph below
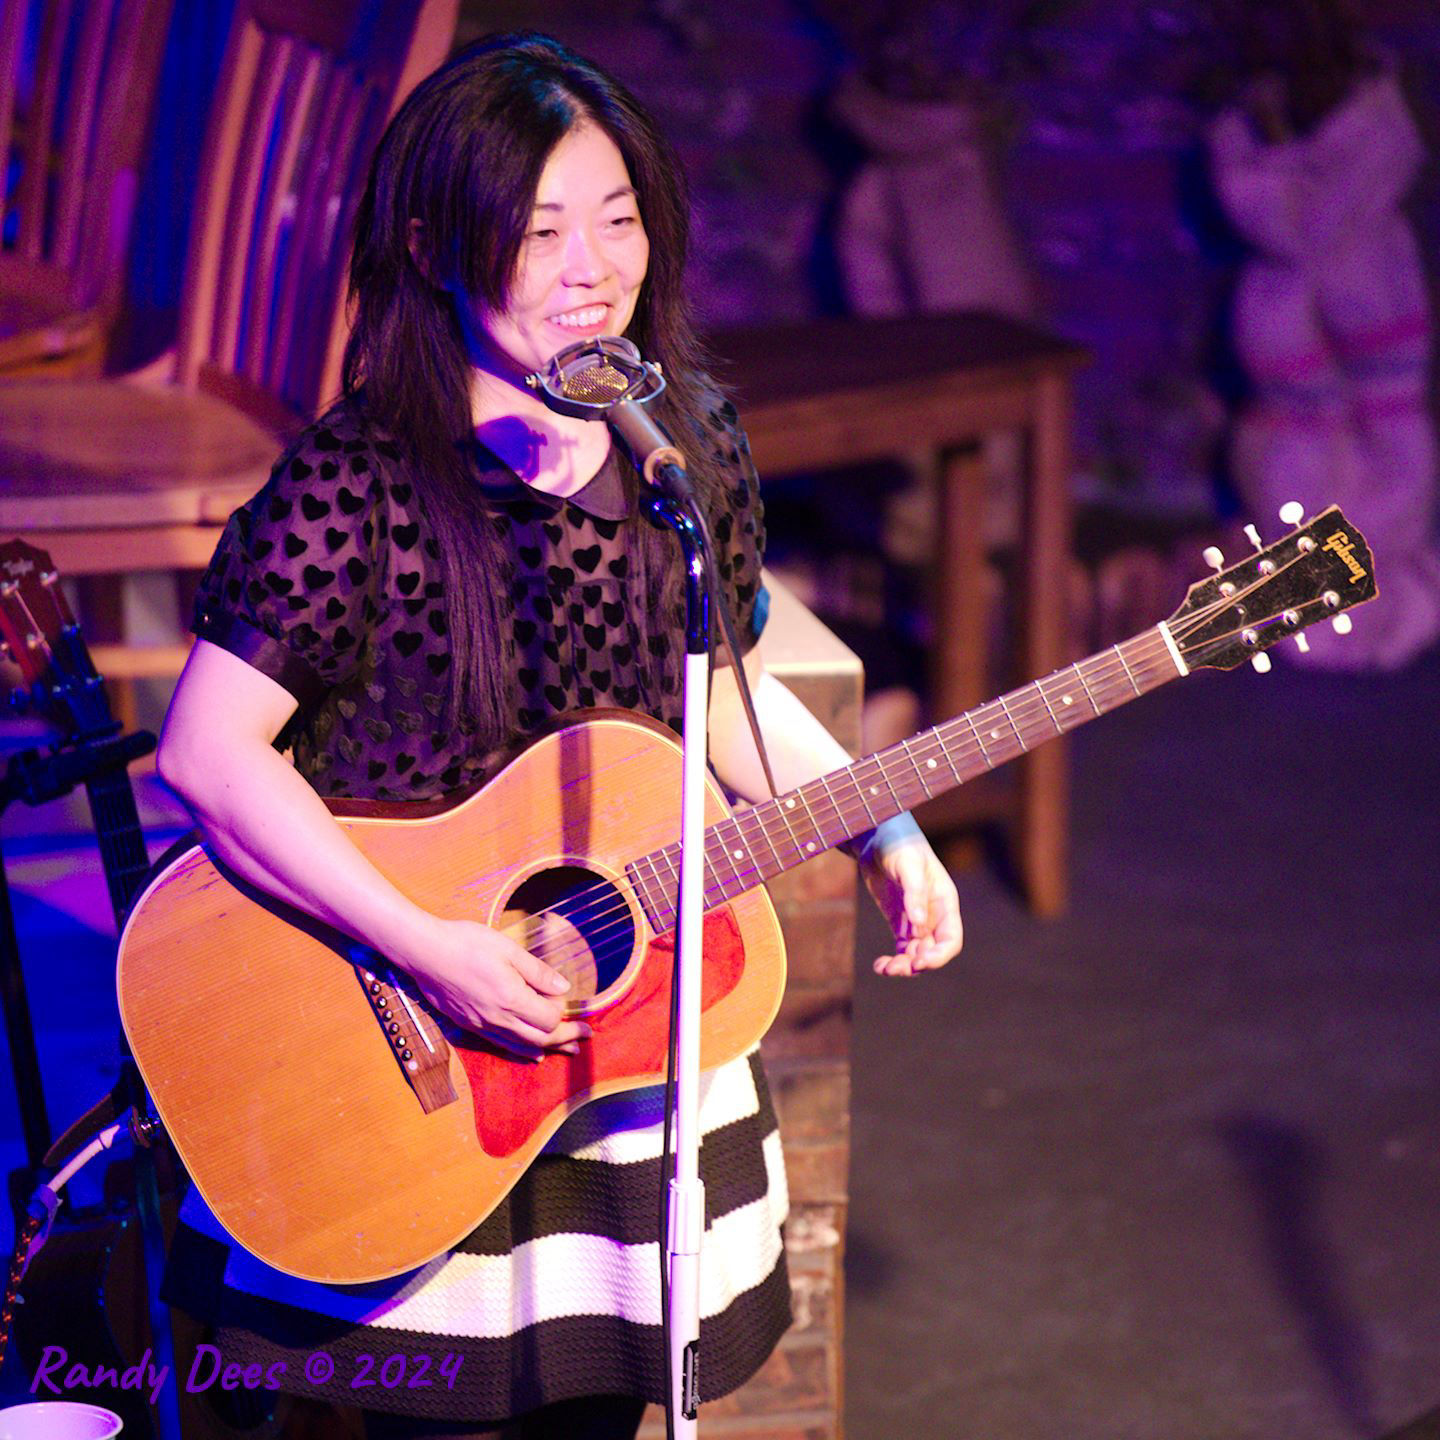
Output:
x=36 y=777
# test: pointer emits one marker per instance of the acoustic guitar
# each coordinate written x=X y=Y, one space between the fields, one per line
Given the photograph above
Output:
x=344 y=1133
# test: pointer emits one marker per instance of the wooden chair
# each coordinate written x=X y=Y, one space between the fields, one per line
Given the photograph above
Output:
x=139 y=474
x=75 y=122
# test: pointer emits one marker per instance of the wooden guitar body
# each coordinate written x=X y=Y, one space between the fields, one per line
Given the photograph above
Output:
x=282 y=1086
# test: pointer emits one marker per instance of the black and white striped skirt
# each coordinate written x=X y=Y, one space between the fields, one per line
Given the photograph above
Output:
x=555 y=1295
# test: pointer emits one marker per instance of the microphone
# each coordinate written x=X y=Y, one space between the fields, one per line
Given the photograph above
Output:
x=604 y=378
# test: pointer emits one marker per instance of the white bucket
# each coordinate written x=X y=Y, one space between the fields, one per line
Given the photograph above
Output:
x=58 y=1420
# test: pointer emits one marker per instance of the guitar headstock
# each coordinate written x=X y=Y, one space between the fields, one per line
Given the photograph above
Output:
x=42 y=640
x=1316 y=572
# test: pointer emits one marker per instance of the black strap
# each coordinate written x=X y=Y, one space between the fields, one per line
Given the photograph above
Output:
x=727 y=625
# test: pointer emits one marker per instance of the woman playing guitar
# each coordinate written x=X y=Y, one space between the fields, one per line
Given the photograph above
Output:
x=436 y=569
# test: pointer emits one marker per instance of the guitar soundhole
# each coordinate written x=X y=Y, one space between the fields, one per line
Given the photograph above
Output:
x=577 y=922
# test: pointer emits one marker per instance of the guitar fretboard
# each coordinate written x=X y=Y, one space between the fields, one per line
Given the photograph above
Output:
x=756 y=844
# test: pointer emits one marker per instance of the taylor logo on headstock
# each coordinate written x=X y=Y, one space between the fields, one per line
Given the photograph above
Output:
x=41 y=638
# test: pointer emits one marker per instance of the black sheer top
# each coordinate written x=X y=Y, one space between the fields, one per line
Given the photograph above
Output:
x=329 y=581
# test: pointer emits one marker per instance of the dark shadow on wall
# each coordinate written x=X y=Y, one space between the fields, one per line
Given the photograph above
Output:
x=1207 y=224
x=841 y=156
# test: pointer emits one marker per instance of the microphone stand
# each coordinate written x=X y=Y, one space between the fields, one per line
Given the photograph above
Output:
x=686 y=1209
x=606 y=379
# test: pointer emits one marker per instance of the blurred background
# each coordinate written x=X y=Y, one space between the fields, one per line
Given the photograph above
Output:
x=1163 y=1160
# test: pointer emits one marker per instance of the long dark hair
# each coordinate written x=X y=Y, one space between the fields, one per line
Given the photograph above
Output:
x=464 y=155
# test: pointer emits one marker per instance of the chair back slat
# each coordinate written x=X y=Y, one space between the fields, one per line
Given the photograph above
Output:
x=100 y=231
x=83 y=78
x=39 y=124
x=305 y=90
x=323 y=345
x=13 y=17
x=252 y=156
x=272 y=234
x=77 y=129
x=312 y=260
x=225 y=135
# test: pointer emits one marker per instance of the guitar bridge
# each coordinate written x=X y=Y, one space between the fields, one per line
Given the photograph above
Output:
x=415 y=1040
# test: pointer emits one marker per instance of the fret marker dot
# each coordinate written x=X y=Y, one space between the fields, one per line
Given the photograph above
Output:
x=1067 y=699
x=810 y=845
x=789 y=804
x=874 y=789
x=994 y=734
x=929 y=764
x=738 y=854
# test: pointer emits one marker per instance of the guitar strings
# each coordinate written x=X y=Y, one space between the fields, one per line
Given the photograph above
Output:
x=607 y=903
x=1142 y=655
x=1108 y=672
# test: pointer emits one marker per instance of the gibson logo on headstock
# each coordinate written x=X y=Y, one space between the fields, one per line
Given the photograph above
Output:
x=1341 y=544
x=18 y=566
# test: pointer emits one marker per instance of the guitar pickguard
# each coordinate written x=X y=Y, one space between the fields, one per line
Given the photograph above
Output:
x=513 y=1097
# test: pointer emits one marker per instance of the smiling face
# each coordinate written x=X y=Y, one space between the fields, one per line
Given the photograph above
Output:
x=583 y=259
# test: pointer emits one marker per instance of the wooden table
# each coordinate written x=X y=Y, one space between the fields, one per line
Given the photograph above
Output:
x=835 y=392
x=115 y=479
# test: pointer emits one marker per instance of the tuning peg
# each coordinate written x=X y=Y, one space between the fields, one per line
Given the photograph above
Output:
x=1292 y=512
x=1261 y=662
x=1253 y=536
x=1212 y=557
x=1303 y=643
x=1341 y=624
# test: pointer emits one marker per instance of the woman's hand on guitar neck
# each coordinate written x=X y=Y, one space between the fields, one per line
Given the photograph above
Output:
x=908 y=882
x=484 y=981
